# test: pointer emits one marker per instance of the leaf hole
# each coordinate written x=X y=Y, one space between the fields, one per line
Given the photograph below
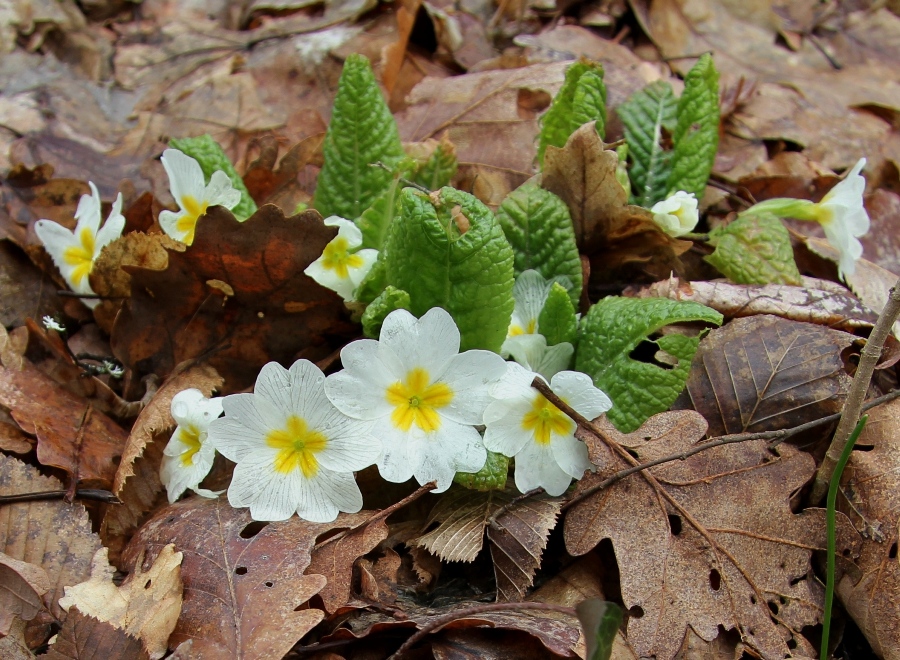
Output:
x=115 y=460
x=792 y=643
x=892 y=553
x=253 y=529
x=675 y=524
x=241 y=570
x=636 y=612
x=797 y=580
x=773 y=607
x=752 y=599
x=321 y=538
x=782 y=600
x=648 y=351
x=715 y=579
x=148 y=583
x=269 y=583
x=632 y=453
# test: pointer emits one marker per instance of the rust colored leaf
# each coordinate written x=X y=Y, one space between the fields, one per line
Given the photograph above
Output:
x=869 y=496
x=610 y=231
x=830 y=306
x=83 y=637
x=335 y=560
x=21 y=587
x=763 y=373
x=55 y=536
x=717 y=543
x=270 y=185
x=275 y=311
x=244 y=587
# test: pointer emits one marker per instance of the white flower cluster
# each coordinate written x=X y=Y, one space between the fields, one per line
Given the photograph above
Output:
x=408 y=403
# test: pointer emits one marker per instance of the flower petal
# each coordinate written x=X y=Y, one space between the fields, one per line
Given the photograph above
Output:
x=169 y=222
x=111 y=229
x=88 y=213
x=350 y=447
x=359 y=390
x=185 y=176
x=577 y=389
x=327 y=493
x=219 y=192
x=505 y=432
x=571 y=455
x=270 y=495
x=329 y=278
x=536 y=467
x=273 y=386
x=471 y=375
x=346 y=230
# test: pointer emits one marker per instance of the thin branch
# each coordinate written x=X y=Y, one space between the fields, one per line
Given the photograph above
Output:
x=381 y=515
x=93 y=494
x=439 y=622
x=853 y=404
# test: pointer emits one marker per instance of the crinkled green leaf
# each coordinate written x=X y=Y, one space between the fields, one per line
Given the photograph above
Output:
x=600 y=621
x=696 y=135
x=539 y=228
x=491 y=477
x=581 y=99
x=612 y=329
x=362 y=132
x=447 y=250
x=645 y=116
x=206 y=151
x=755 y=249
x=439 y=169
x=389 y=300
x=373 y=283
x=375 y=221
x=557 y=320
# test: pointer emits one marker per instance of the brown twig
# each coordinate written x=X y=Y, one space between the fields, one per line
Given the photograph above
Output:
x=93 y=494
x=434 y=624
x=492 y=521
x=853 y=405
x=381 y=515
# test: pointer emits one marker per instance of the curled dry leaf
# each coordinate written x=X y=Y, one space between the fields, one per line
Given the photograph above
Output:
x=869 y=496
x=269 y=309
x=763 y=373
x=244 y=587
x=145 y=606
x=82 y=636
x=53 y=535
x=21 y=587
x=702 y=558
x=826 y=307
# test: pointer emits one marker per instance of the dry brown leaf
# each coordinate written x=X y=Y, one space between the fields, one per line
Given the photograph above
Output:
x=706 y=542
x=870 y=487
x=14 y=646
x=54 y=535
x=83 y=638
x=480 y=644
x=244 y=587
x=13 y=440
x=764 y=373
x=379 y=579
x=823 y=306
x=145 y=606
x=21 y=587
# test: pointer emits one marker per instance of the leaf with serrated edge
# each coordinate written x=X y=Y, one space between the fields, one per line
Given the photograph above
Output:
x=696 y=135
x=612 y=329
x=557 y=320
x=644 y=116
x=439 y=167
x=763 y=373
x=754 y=249
x=588 y=96
x=699 y=557
x=83 y=636
x=539 y=228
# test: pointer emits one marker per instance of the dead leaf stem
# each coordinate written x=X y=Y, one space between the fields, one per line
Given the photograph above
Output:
x=853 y=404
x=94 y=494
x=441 y=621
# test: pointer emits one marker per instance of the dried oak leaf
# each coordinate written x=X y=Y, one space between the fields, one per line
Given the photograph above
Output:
x=870 y=487
x=85 y=638
x=21 y=587
x=280 y=186
x=764 y=373
x=706 y=542
x=244 y=582
x=609 y=230
x=53 y=535
x=517 y=543
x=238 y=297
x=145 y=606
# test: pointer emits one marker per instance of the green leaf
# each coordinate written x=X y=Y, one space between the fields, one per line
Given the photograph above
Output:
x=491 y=477
x=373 y=283
x=644 y=116
x=755 y=249
x=362 y=131
x=389 y=300
x=440 y=168
x=448 y=250
x=557 y=320
x=211 y=157
x=376 y=220
x=539 y=228
x=696 y=135
x=610 y=332
x=581 y=99
x=600 y=621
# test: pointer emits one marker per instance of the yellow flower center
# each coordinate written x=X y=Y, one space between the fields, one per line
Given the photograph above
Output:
x=297 y=447
x=545 y=419
x=191 y=212
x=81 y=256
x=189 y=435
x=336 y=257
x=417 y=400
x=530 y=329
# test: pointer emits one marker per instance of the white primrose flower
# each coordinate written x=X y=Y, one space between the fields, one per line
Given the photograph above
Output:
x=677 y=214
x=530 y=293
x=522 y=423
x=424 y=397
x=532 y=352
x=193 y=196
x=295 y=452
x=189 y=455
x=841 y=214
x=340 y=268
x=74 y=253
